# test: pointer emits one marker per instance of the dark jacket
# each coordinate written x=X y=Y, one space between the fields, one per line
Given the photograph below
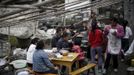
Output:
x=62 y=44
x=55 y=40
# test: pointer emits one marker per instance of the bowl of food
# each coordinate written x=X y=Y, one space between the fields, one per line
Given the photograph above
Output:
x=70 y=56
x=58 y=55
x=64 y=52
x=54 y=49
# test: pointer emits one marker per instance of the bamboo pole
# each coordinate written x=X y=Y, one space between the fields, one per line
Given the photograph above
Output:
x=34 y=11
x=62 y=12
x=18 y=11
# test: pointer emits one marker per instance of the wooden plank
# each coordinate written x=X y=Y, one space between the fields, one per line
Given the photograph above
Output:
x=32 y=72
x=45 y=74
x=89 y=66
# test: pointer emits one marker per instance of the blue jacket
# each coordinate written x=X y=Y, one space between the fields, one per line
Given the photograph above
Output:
x=41 y=62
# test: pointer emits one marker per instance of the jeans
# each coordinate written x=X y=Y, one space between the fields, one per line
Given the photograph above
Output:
x=99 y=52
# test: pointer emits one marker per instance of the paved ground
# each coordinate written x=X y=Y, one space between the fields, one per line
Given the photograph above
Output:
x=121 y=71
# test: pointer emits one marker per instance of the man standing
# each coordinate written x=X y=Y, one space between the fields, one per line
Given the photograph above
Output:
x=114 y=33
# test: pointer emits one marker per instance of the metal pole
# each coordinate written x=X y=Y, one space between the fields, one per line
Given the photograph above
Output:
x=18 y=11
x=38 y=16
x=5 y=1
x=9 y=51
x=18 y=6
x=64 y=21
x=32 y=17
x=67 y=5
x=36 y=25
x=39 y=1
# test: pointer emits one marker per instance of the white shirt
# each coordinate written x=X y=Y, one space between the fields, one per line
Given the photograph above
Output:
x=114 y=43
x=128 y=33
x=30 y=52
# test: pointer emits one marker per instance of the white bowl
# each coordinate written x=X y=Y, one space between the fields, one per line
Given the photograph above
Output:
x=70 y=55
x=59 y=56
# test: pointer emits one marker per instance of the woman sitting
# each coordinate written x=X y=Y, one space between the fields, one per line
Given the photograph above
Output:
x=30 y=52
x=41 y=62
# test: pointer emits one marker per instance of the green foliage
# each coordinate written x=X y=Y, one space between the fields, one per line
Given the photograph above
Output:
x=13 y=41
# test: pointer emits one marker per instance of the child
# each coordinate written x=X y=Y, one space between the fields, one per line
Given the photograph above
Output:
x=76 y=48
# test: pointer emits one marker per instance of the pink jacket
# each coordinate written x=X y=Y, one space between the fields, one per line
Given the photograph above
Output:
x=119 y=33
x=77 y=49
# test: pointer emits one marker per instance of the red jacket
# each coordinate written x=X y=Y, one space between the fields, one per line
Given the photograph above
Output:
x=95 y=39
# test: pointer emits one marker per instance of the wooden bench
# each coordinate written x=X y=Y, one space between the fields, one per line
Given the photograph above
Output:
x=45 y=74
x=132 y=62
x=85 y=68
x=34 y=73
x=30 y=71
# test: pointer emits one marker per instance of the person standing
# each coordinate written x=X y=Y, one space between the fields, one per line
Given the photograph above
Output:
x=126 y=38
x=114 y=33
x=96 y=40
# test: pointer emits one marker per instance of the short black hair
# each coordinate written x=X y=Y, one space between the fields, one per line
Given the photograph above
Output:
x=94 y=25
x=40 y=45
x=58 y=29
x=34 y=41
x=125 y=23
x=77 y=42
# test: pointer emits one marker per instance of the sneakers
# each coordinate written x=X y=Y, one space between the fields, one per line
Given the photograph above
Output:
x=99 y=70
x=115 y=70
x=104 y=71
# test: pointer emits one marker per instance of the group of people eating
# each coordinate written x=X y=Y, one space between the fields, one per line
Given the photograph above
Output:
x=67 y=39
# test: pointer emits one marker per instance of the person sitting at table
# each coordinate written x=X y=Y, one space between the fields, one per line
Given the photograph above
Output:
x=63 y=42
x=76 y=48
x=41 y=62
x=30 y=52
x=56 y=37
